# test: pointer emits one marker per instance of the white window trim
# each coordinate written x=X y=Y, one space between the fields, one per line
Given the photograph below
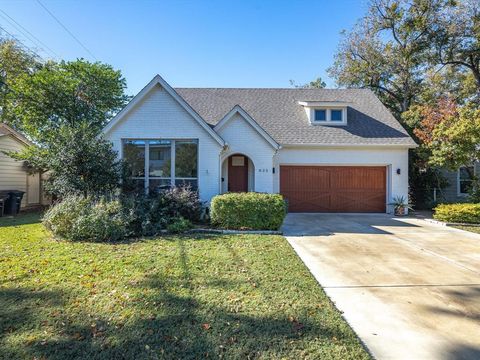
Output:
x=328 y=120
x=146 y=179
x=459 y=193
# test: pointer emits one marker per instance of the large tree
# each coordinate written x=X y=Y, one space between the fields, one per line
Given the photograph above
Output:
x=14 y=62
x=78 y=161
x=455 y=38
x=387 y=50
x=62 y=107
x=451 y=132
x=66 y=94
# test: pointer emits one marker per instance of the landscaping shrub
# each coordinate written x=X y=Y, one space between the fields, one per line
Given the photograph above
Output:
x=147 y=215
x=61 y=217
x=459 y=213
x=180 y=202
x=79 y=218
x=253 y=211
x=179 y=225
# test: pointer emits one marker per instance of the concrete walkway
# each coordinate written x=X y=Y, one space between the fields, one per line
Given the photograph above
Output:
x=409 y=289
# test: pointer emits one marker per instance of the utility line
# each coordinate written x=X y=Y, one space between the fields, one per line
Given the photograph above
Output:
x=66 y=29
x=25 y=32
x=21 y=44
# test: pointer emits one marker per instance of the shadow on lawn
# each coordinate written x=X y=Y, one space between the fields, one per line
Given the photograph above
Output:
x=171 y=320
x=21 y=219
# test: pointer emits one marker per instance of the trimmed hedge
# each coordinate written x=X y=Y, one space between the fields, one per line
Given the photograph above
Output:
x=458 y=213
x=248 y=211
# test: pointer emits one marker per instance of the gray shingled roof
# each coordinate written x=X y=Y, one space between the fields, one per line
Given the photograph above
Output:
x=277 y=111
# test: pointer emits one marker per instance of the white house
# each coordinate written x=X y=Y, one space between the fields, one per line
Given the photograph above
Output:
x=325 y=150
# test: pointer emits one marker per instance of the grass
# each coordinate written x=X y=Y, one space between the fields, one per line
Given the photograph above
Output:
x=474 y=229
x=234 y=297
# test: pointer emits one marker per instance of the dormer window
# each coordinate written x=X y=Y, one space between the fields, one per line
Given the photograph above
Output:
x=326 y=113
x=336 y=115
x=320 y=115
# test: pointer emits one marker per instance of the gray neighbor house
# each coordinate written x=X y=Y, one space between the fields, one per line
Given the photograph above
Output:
x=458 y=183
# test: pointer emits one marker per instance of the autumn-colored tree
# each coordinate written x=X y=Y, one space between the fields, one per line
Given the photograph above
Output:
x=451 y=133
x=432 y=116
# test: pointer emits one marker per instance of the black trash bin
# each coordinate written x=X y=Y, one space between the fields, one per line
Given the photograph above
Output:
x=14 y=200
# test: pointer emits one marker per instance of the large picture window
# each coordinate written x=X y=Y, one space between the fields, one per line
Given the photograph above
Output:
x=160 y=164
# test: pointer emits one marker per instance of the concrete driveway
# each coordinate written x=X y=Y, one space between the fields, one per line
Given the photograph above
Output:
x=409 y=289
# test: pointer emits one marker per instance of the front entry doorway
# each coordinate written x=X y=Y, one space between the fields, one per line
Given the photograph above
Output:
x=237 y=173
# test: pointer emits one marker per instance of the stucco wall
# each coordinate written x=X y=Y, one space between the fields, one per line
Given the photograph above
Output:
x=160 y=116
x=242 y=138
x=397 y=185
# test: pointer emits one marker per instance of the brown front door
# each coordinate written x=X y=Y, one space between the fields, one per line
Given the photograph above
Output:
x=334 y=188
x=238 y=173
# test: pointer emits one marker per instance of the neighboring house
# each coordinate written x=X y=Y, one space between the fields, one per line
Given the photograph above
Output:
x=325 y=150
x=458 y=184
x=14 y=174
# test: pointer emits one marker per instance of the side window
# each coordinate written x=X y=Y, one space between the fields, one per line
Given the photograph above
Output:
x=465 y=179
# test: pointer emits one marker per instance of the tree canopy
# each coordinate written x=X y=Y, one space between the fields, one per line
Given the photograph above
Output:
x=66 y=94
x=318 y=83
x=62 y=107
x=14 y=62
x=387 y=50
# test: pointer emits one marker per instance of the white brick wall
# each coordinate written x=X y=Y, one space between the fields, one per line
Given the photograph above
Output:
x=242 y=138
x=159 y=116
x=397 y=185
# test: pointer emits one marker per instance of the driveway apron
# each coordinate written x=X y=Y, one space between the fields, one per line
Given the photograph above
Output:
x=410 y=289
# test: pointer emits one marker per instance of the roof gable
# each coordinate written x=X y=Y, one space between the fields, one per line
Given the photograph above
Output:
x=237 y=109
x=158 y=80
x=6 y=130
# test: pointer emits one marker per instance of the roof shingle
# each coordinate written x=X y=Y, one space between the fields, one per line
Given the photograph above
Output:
x=278 y=112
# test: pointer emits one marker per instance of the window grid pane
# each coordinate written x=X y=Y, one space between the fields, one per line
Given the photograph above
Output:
x=185 y=159
x=336 y=115
x=465 y=179
x=134 y=155
x=320 y=115
x=159 y=158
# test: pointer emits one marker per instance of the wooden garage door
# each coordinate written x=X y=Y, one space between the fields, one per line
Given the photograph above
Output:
x=334 y=188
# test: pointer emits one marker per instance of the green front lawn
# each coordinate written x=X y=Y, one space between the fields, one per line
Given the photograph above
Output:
x=234 y=297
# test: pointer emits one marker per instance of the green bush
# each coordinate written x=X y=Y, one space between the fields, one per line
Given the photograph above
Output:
x=252 y=211
x=459 y=213
x=78 y=218
x=179 y=225
x=147 y=215
x=60 y=218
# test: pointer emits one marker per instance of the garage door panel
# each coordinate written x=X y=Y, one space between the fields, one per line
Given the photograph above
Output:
x=334 y=188
x=305 y=178
x=358 y=178
x=355 y=201
x=306 y=201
